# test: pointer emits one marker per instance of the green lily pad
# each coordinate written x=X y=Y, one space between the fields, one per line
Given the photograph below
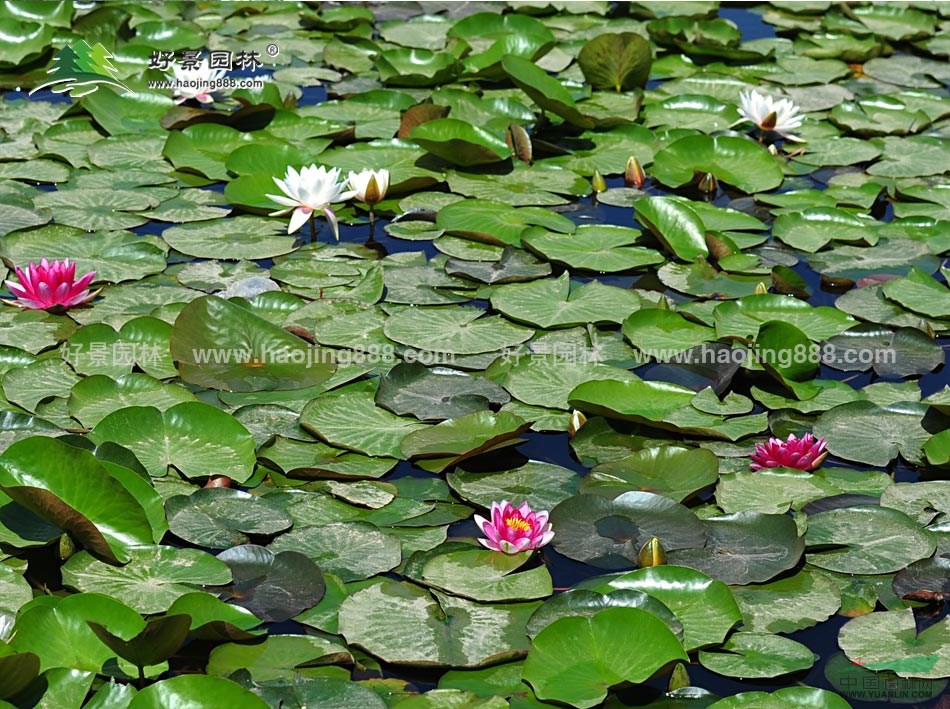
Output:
x=704 y=606
x=224 y=346
x=616 y=61
x=541 y=485
x=604 y=248
x=274 y=587
x=449 y=442
x=545 y=90
x=58 y=634
x=483 y=575
x=872 y=434
x=672 y=471
x=276 y=657
x=496 y=222
x=348 y=417
x=608 y=533
x=219 y=518
x=239 y=238
x=71 y=489
x=664 y=333
x=351 y=550
x=406 y=624
x=410 y=389
x=552 y=302
x=920 y=293
x=197 y=439
x=735 y=161
x=889 y=640
x=865 y=540
x=673 y=222
x=95 y=397
x=460 y=143
x=788 y=604
x=195 y=690
x=154 y=578
x=576 y=660
x=454 y=330
x=757 y=655
x=787 y=698
x=114 y=255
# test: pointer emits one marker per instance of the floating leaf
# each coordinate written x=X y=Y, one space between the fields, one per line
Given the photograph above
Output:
x=154 y=578
x=889 y=640
x=704 y=606
x=616 y=61
x=608 y=533
x=576 y=660
x=197 y=439
x=757 y=655
x=71 y=489
x=865 y=540
x=406 y=624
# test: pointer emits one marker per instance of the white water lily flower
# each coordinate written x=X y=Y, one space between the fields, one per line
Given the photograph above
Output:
x=370 y=185
x=781 y=116
x=197 y=83
x=310 y=190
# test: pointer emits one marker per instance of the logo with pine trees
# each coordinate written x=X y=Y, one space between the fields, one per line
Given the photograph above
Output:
x=79 y=70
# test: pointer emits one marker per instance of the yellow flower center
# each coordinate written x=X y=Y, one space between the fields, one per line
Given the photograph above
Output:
x=518 y=524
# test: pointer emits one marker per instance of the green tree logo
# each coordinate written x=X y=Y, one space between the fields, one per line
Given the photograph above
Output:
x=79 y=70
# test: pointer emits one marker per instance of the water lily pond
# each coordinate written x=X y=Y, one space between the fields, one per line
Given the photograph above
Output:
x=474 y=355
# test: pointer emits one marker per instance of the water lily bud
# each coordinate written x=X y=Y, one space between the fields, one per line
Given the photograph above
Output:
x=772 y=149
x=651 y=554
x=761 y=288
x=662 y=304
x=598 y=182
x=634 y=176
x=519 y=141
x=577 y=420
x=708 y=184
x=373 y=194
x=219 y=481
x=67 y=547
x=679 y=678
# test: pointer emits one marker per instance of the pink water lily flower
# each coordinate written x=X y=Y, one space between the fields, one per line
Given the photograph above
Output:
x=514 y=529
x=51 y=285
x=805 y=453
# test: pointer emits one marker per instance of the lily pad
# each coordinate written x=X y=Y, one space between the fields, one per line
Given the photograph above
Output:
x=219 y=518
x=197 y=439
x=406 y=624
x=865 y=540
x=150 y=583
x=608 y=533
x=274 y=587
x=757 y=655
x=889 y=640
x=569 y=661
x=704 y=606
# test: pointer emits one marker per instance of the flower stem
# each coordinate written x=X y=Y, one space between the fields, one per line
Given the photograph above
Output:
x=313 y=228
x=372 y=222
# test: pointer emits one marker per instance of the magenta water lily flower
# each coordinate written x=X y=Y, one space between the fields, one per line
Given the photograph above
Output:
x=51 y=286
x=805 y=453
x=514 y=529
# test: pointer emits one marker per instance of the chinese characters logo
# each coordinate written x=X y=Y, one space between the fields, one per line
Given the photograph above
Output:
x=79 y=70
